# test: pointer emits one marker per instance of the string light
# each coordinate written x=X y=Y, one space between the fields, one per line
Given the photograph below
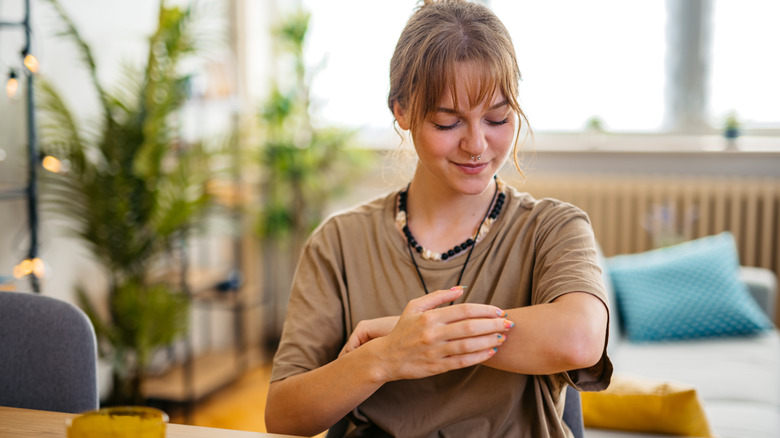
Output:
x=30 y=266
x=31 y=62
x=52 y=164
x=12 y=85
x=38 y=268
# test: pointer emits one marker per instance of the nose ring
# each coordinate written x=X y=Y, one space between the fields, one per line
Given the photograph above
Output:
x=477 y=158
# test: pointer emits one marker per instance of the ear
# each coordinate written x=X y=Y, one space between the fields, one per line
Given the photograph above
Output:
x=400 y=116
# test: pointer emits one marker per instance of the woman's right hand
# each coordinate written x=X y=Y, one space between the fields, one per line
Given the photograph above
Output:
x=429 y=340
x=367 y=330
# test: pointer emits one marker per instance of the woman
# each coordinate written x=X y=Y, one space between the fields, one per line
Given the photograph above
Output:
x=455 y=306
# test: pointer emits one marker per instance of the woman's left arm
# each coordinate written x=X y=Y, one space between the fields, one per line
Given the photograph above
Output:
x=566 y=334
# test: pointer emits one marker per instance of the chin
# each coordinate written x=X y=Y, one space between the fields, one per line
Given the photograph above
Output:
x=475 y=185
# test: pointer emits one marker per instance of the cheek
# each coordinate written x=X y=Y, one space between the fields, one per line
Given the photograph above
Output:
x=503 y=138
x=434 y=143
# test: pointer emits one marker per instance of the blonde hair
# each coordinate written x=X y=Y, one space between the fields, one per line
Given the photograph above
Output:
x=439 y=36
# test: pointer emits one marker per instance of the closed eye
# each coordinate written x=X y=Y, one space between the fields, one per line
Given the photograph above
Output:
x=502 y=122
x=446 y=127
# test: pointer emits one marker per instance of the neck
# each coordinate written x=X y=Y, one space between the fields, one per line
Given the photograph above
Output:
x=440 y=216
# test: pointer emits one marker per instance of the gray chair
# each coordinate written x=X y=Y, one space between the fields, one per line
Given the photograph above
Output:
x=48 y=354
x=572 y=416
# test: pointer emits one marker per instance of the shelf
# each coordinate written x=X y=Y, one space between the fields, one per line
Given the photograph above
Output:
x=200 y=281
x=210 y=371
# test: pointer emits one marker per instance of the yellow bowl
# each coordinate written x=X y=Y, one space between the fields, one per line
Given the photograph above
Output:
x=119 y=422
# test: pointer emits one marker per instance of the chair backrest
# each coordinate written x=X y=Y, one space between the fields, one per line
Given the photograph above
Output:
x=572 y=412
x=48 y=354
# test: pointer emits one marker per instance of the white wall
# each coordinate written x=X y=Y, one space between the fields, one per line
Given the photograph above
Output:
x=116 y=31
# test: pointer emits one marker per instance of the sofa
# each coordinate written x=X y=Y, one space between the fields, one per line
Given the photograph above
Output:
x=732 y=381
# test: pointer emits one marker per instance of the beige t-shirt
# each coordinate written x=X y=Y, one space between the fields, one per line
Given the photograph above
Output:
x=357 y=266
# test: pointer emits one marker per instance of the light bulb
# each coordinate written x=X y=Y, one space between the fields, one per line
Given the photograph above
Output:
x=23 y=269
x=12 y=86
x=52 y=164
x=31 y=62
x=38 y=268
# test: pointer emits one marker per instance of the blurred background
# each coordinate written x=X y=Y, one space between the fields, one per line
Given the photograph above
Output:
x=166 y=161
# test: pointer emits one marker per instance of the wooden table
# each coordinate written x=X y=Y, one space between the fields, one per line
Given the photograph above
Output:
x=23 y=423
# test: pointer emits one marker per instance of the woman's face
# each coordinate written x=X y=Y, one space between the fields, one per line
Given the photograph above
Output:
x=457 y=131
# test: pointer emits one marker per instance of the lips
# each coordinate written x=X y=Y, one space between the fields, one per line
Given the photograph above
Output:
x=470 y=168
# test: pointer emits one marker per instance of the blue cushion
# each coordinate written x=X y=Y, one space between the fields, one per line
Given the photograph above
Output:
x=685 y=291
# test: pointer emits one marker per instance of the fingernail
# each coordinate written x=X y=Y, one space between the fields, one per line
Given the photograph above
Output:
x=501 y=339
x=500 y=313
x=508 y=324
x=492 y=351
x=457 y=288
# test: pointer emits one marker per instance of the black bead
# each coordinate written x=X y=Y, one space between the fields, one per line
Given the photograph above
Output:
x=494 y=212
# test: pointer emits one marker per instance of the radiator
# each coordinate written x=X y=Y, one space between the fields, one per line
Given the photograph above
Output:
x=633 y=213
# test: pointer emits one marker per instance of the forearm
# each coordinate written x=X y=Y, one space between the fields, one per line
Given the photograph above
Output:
x=564 y=335
x=425 y=340
x=309 y=403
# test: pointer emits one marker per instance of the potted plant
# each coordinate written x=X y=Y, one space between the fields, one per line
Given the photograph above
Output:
x=131 y=193
x=302 y=166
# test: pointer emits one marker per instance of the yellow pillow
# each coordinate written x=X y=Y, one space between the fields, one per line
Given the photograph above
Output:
x=643 y=405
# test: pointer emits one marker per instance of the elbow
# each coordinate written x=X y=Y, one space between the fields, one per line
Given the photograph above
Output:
x=585 y=331
x=584 y=348
x=272 y=420
x=275 y=422
x=282 y=418
x=274 y=413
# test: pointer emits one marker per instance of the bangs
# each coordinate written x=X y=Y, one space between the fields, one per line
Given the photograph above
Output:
x=484 y=80
x=486 y=76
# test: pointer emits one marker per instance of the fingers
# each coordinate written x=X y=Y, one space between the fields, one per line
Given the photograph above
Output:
x=475 y=344
x=459 y=321
x=469 y=359
x=367 y=330
x=352 y=343
x=453 y=313
x=467 y=311
x=435 y=299
x=477 y=327
x=473 y=351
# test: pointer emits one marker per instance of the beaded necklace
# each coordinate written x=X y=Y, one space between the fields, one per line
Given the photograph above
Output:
x=497 y=202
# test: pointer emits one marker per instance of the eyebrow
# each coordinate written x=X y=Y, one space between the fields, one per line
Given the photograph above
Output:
x=454 y=111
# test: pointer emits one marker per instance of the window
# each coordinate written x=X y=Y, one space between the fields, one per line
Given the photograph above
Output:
x=582 y=60
x=354 y=40
x=607 y=59
x=745 y=64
